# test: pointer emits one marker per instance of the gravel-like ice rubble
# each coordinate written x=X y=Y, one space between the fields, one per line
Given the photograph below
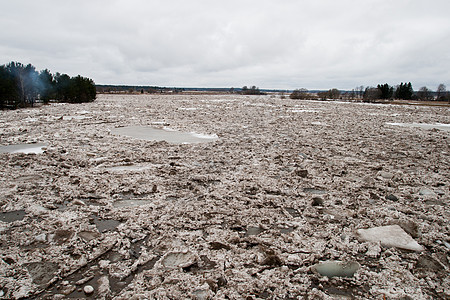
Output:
x=280 y=188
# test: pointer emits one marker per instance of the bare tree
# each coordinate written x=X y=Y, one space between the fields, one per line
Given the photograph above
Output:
x=441 y=91
x=300 y=94
x=424 y=93
x=371 y=94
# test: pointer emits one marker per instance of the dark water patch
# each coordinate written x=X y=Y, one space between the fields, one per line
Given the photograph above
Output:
x=61 y=206
x=105 y=225
x=286 y=230
x=293 y=212
x=131 y=202
x=89 y=235
x=218 y=246
x=435 y=202
x=342 y=293
x=42 y=272
x=28 y=178
x=200 y=266
x=113 y=256
x=62 y=236
x=118 y=284
x=12 y=216
x=78 y=292
x=72 y=285
x=253 y=230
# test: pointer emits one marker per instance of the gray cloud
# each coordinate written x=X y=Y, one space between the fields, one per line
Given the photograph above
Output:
x=272 y=44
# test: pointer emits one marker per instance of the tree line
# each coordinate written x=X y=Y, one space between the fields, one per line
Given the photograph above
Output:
x=254 y=90
x=23 y=86
x=403 y=91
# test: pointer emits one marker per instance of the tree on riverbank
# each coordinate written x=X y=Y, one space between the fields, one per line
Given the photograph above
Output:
x=251 y=91
x=404 y=91
x=22 y=86
x=330 y=94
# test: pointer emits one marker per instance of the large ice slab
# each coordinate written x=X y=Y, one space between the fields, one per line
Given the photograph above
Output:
x=336 y=268
x=390 y=236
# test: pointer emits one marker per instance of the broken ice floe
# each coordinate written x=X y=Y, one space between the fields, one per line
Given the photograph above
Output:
x=390 y=236
x=178 y=259
x=336 y=268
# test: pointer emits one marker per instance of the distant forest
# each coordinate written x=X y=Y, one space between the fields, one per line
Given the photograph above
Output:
x=403 y=91
x=23 y=86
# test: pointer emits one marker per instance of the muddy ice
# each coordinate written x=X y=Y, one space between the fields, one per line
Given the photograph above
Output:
x=278 y=204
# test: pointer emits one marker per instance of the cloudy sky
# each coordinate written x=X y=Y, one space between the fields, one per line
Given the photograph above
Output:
x=285 y=44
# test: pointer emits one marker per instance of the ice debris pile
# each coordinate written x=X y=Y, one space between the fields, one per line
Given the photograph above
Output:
x=283 y=199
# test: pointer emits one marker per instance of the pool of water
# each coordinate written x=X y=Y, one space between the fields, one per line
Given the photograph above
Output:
x=37 y=148
x=12 y=216
x=445 y=127
x=314 y=191
x=131 y=203
x=105 y=225
x=165 y=134
x=128 y=168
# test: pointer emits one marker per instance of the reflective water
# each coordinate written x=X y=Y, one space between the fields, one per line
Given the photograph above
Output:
x=37 y=148
x=131 y=203
x=104 y=225
x=314 y=191
x=445 y=127
x=252 y=230
x=130 y=168
x=165 y=134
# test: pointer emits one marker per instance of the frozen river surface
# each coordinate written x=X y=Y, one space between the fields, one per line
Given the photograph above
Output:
x=281 y=199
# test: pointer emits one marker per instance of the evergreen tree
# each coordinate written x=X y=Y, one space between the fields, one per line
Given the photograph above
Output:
x=46 y=86
x=404 y=91
x=386 y=91
x=62 y=85
x=9 y=92
x=22 y=86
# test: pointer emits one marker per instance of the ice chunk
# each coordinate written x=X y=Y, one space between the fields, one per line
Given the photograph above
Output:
x=178 y=259
x=390 y=236
x=336 y=268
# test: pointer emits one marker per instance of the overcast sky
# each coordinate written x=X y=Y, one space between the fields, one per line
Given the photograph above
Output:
x=285 y=44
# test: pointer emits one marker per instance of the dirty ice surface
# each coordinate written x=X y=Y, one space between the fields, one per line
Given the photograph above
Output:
x=270 y=210
x=164 y=134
